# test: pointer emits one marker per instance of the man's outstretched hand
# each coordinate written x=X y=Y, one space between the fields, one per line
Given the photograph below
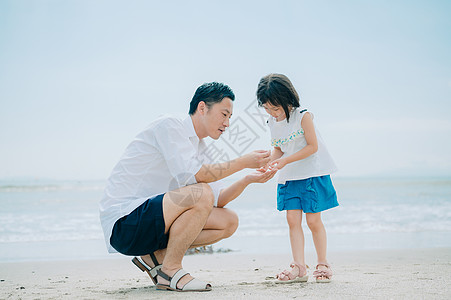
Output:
x=260 y=176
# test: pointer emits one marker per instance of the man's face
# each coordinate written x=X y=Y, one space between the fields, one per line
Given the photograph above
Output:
x=217 y=118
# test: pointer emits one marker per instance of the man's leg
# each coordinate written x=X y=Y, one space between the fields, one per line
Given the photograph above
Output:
x=221 y=224
x=185 y=212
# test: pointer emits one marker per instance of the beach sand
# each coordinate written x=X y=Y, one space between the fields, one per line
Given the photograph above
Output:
x=378 y=274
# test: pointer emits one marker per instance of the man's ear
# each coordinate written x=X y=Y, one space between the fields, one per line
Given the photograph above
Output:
x=202 y=107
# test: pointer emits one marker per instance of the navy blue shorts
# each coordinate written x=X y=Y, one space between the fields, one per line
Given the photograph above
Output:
x=142 y=231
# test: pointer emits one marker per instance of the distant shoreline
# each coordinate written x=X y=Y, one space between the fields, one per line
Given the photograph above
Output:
x=242 y=245
x=43 y=181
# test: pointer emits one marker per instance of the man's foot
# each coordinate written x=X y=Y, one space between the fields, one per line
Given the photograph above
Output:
x=150 y=263
x=180 y=284
x=180 y=281
x=158 y=257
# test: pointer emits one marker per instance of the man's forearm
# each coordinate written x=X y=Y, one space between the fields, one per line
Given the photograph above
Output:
x=214 y=172
x=231 y=192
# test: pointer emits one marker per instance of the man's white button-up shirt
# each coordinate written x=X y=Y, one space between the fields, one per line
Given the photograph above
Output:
x=162 y=158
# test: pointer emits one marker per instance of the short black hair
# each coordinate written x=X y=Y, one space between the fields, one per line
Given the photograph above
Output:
x=210 y=93
x=277 y=90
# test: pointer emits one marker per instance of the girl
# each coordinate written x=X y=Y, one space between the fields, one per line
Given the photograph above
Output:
x=304 y=184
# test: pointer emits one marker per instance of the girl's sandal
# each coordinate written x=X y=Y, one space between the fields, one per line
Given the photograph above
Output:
x=287 y=277
x=323 y=276
x=152 y=271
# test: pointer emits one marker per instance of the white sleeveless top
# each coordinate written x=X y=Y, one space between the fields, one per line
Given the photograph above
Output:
x=289 y=136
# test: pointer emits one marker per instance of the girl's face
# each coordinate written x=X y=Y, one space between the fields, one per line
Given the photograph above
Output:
x=276 y=112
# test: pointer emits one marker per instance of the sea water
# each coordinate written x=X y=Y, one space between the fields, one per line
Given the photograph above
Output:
x=47 y=220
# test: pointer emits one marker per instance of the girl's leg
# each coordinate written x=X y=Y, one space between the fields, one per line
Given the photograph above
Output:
x=316 y=226
x=294 y=219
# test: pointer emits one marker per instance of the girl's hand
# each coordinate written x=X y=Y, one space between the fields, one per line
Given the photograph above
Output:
x=256 y=159
x=261 y=176
x=263 y=169
x=278 y=163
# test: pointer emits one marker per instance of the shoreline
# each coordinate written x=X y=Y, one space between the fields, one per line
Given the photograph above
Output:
x=95 y=249
x=376 y=274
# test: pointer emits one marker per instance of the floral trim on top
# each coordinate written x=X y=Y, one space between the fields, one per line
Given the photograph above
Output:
x=280 y=142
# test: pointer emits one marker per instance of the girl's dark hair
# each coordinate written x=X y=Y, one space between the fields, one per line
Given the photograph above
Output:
x=277 y=90
x=210 y=93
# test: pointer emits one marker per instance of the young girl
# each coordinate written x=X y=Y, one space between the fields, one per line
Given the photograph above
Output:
x=304 y=165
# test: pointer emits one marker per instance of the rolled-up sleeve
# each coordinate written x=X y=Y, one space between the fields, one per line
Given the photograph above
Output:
x=216 y=187
x=178 y=151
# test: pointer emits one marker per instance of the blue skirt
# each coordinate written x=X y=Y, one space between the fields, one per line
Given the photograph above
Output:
x=311 y=195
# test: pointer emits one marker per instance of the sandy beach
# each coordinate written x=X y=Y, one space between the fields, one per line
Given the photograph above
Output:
x=378 y=274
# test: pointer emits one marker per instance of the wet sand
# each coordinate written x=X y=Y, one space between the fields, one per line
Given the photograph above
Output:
x=378 y=274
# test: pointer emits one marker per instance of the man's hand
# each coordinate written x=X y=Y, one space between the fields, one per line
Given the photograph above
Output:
x=214 y=172
x=260 y=176
x=256 y=159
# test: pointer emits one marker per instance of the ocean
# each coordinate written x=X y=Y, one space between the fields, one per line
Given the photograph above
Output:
x=58 y=220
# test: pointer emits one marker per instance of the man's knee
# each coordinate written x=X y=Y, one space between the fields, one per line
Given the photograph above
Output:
x=205 y=195
x=232 y=222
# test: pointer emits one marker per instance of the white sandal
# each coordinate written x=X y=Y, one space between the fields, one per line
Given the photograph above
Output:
x=152 y=271
x=194 y=285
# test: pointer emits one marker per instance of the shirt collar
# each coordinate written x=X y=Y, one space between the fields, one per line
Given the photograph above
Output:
x=189 y=126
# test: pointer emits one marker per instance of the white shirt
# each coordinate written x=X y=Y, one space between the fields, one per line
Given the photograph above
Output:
x=289 y=136
x=162 y=158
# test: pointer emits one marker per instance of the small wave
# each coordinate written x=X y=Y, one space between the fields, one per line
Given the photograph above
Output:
x=34 y=186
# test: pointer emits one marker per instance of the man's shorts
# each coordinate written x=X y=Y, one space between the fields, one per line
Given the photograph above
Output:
x=142 y=231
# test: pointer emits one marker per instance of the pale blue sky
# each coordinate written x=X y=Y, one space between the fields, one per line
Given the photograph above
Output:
x=79 y=79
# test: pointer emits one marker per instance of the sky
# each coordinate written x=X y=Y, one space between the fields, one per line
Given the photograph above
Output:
x=79 y=79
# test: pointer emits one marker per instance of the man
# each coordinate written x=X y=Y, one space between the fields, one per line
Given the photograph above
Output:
x=163 y=196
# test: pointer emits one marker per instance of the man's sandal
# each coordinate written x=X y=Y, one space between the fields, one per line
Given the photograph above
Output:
x=152 y=271
x=287 y=277
x=194 y=285
x=325 y=275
